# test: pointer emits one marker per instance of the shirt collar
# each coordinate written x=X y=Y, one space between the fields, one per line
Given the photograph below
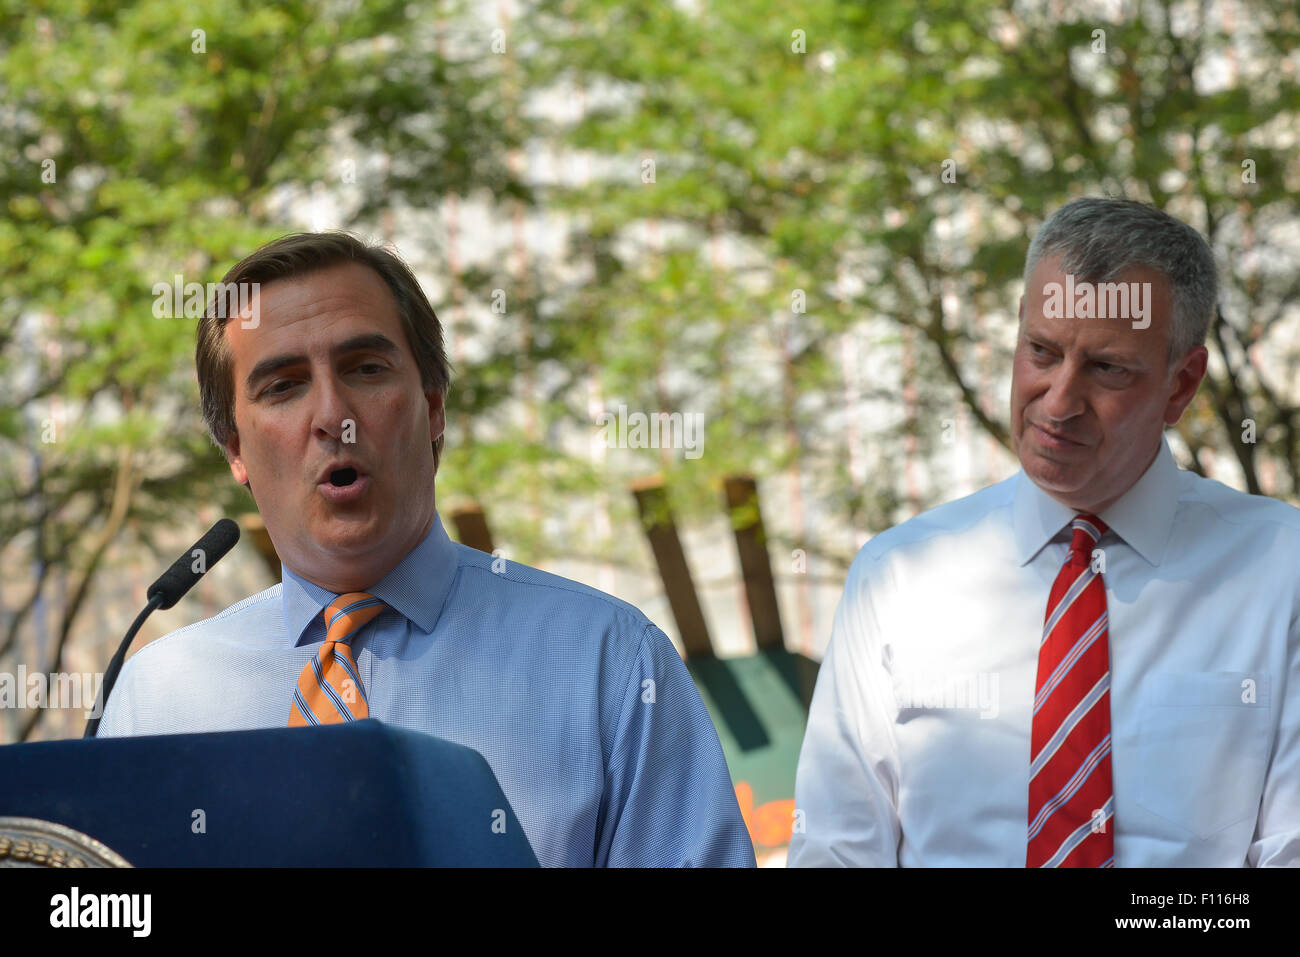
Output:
x=416 y=587
x=1143 y=516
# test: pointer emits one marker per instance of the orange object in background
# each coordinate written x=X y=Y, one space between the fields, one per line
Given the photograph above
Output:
x=769 y=824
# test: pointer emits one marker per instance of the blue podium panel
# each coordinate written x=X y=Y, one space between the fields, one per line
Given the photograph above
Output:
x=357 y=794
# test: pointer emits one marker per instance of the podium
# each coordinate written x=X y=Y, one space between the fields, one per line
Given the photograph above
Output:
x=356 y=794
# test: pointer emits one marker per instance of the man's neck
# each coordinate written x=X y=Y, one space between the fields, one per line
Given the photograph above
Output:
x=1100 y=507
x=365 y=576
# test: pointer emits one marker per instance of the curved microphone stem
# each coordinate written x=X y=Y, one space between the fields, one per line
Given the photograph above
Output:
x=115 y=665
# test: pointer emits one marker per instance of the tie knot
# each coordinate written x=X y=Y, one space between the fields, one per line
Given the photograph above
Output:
x=1088 y=530
x=345 y=615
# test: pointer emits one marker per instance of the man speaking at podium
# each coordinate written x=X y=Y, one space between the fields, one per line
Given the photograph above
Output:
x=326 y=393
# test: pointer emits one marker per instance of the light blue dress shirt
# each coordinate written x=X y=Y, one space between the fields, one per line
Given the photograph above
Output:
x=581 y=706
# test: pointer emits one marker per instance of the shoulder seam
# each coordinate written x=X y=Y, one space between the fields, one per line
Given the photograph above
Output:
x=619 y=606
x=877 y=557
x=1294 y=525
x=627 y=701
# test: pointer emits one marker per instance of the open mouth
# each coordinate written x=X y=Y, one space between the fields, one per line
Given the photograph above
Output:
x=344 y=485
x=342 y=478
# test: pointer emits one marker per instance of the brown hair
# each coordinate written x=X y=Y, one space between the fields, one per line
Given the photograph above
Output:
x=298 y=255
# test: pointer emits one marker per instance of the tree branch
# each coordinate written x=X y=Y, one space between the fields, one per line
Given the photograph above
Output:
x=118 y=511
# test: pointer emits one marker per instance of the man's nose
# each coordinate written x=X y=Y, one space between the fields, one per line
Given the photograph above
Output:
x=331 y=408
x=1064 y=398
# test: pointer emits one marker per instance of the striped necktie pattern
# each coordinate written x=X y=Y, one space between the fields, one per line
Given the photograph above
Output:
x=1071 y=800
x=329 y=689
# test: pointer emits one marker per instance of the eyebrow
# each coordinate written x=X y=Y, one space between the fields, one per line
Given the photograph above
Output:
x=1110 y=358
x=366 y=342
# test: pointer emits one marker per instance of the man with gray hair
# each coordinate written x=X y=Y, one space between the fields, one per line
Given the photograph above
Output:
x=1093 y=663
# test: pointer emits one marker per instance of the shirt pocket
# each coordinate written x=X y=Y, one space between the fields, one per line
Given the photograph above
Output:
x=1203 y=747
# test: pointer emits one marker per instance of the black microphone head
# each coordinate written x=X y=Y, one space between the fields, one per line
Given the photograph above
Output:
x=194 y=564
x=221 y=538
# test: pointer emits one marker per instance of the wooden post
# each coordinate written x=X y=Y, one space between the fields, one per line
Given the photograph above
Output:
x=472 y=527
x=255 y=529
x=661 y=532
x=755 y=565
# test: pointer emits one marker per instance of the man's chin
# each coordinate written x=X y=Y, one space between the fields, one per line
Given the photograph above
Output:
x=347 y=538
x=342 y=531
x=1052 y=476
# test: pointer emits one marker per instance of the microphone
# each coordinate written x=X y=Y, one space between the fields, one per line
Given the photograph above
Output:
x=193 y=565
x=166 y=592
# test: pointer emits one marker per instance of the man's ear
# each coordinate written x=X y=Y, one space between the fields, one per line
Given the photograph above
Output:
x=437 y=414
x=235 y=459
x=1186 y=380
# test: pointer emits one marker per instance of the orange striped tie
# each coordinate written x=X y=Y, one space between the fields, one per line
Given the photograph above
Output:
x=329 y=689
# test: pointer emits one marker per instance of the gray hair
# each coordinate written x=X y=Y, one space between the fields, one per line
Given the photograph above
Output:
x=1100 y=238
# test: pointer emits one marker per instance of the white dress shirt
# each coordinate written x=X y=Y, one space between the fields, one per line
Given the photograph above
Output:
x=917 y=747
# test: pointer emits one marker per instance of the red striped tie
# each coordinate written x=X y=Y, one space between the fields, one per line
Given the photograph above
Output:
x=329 y=689
x=1071 y=800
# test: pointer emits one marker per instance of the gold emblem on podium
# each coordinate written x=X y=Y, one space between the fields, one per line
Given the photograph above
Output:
x=29 y=842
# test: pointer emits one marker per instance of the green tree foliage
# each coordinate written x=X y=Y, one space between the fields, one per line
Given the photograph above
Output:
x=892 y=161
